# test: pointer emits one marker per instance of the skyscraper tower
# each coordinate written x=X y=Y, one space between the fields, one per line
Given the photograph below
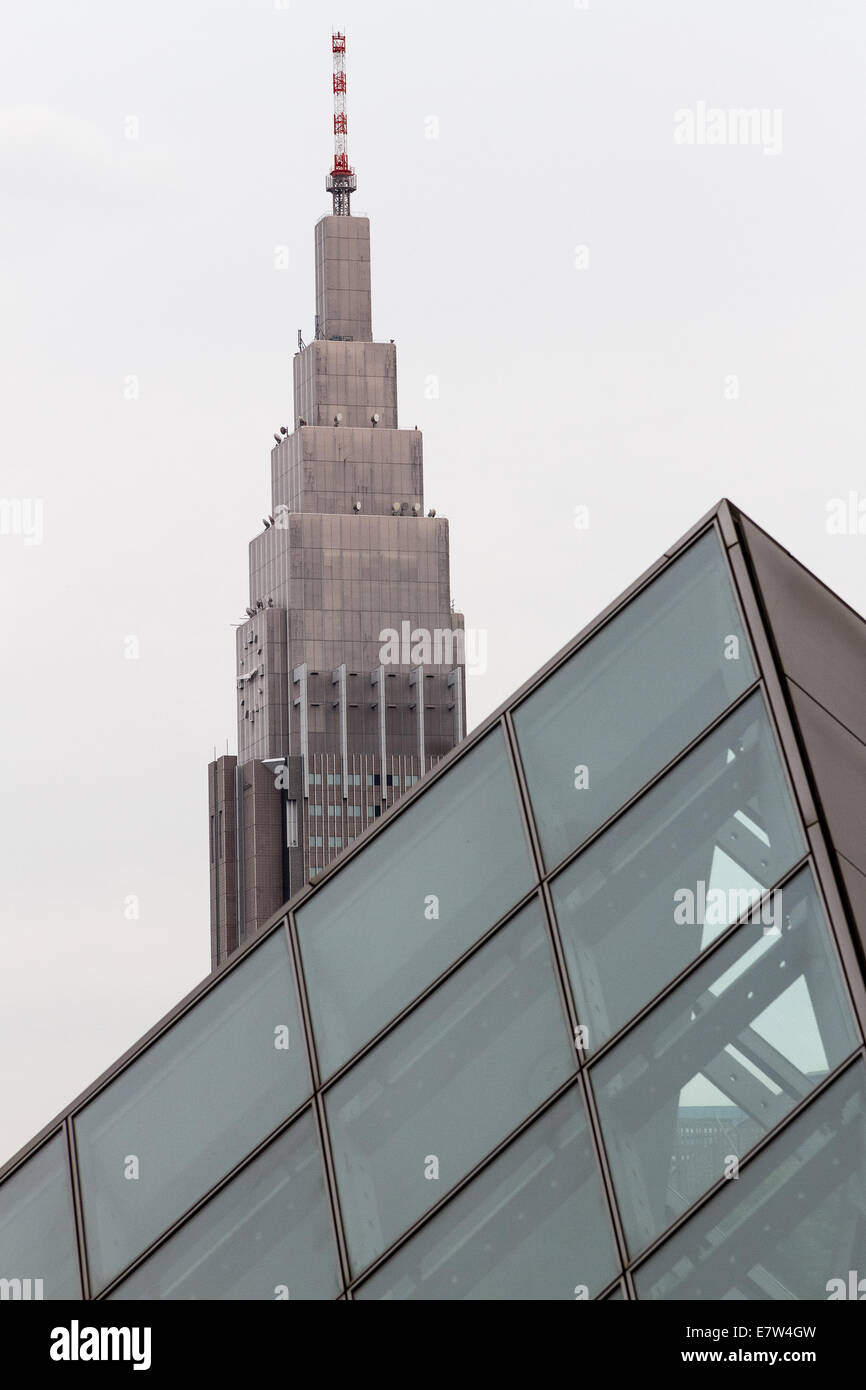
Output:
x=350 y=669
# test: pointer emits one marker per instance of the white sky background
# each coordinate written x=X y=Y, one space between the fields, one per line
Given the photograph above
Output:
x=557 y=386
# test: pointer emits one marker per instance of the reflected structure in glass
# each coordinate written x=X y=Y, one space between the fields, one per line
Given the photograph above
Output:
x=732 y=1050
x=791 y=1227
x=664 y=880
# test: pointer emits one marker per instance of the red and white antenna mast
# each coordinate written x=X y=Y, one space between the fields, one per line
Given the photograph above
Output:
x=341 y=182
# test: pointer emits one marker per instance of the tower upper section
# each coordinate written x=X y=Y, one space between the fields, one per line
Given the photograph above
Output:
x=343 y=304
x=350 y=670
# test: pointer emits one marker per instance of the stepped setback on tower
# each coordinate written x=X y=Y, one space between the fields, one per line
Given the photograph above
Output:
x=335 y=717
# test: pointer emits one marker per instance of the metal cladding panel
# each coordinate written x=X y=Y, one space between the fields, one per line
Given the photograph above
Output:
x=262 y=692
x=263 y=886
x=820 y=647
x=355 y=380
x=330 y=468
x=820 y=640
x=343 y=300
x=855 y=886
x=838 y=762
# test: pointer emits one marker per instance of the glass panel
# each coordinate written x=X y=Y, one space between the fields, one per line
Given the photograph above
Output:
x=267 y=1235
x=635 y=694
x=723 y=1059
x=791 y=1227
x=397 y=916
x=533 y=1225
x=176 y=1120
x=447 y=1085
x=38 y=1257
x=689 y=858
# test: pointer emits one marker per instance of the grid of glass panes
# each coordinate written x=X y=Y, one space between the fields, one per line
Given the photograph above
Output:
x=542 y=1029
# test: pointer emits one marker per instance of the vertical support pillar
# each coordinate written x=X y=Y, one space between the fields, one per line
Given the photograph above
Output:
x=338 y=678
x=299 y=677
x=377 y=678
x=416 y=677
x=240 y=850
x=455 y=682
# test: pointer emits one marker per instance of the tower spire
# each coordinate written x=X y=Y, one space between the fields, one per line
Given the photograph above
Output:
x=341 y=181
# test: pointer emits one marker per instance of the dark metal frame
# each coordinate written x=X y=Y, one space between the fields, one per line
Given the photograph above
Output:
x=723 y=519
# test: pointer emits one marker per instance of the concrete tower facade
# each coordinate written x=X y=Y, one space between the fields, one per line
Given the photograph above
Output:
x=350 y=668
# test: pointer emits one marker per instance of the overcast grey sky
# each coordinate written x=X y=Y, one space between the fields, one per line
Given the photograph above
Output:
x=614 y=318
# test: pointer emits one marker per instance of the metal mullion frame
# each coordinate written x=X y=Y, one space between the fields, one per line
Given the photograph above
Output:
x=524 y=801
x=796 y=761
x=760 y=639
x=564 y=984
x=77 y=1206
x=331 y=1190
x=615 y=1285
x=844 y=942
x=763 y=1143
x=530 y=830
x=603 y=1168
x=303 y=998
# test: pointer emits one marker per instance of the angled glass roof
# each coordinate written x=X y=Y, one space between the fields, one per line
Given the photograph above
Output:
x=518 y=1039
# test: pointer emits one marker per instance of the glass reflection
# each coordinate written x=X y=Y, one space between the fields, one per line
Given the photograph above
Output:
x=694 y=854
x=791 y=1227
x=720 y=1061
